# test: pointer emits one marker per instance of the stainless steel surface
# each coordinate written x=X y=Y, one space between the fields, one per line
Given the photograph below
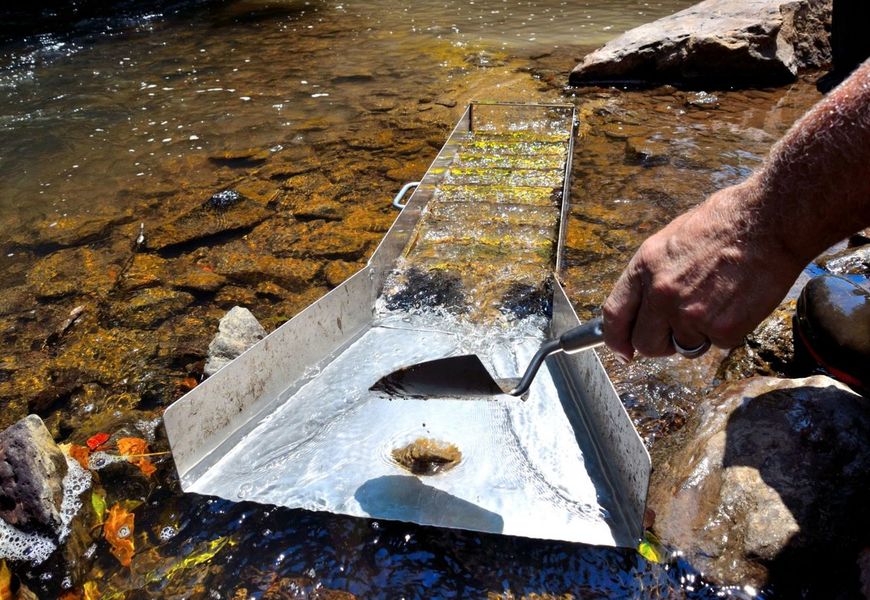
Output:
x=466 y=375
x=292 y=421
x=619 y=449
x=397 y=200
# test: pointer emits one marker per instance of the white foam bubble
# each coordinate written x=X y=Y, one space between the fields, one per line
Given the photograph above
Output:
x=17 y=545
x=32 y=547
x=99 y=460
x=75 y=482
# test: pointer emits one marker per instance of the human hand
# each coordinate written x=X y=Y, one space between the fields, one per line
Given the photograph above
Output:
x=713 y=273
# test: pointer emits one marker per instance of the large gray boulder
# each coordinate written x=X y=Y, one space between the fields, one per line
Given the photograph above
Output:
x=719 y=43
x=32 y=468
x=773 y=479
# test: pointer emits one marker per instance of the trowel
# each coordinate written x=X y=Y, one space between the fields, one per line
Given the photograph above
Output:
x=466 y=376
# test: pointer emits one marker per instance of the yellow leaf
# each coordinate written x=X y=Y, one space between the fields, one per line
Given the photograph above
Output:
x=118 y=531
x=92 y=592
x=650 y=548
x=98 y=501
x=5 y=582
x=197 y=558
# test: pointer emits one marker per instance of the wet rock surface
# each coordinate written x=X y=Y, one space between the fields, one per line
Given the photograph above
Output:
x=850 y=261
x=769 y=350
x=238 y=331
x=772 y=480
x=222 y=212
x=32 y=469
x=73 y=271
x=150 y=307
x=720 y=42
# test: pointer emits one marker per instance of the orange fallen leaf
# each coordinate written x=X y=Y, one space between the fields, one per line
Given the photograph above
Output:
x=132 y=445
x=187 y=384
x=71 y=595
x=5 y=582
x=206 y=268
x=97 y=440
x=118 y=531
x=80 y=453
x=134 y=448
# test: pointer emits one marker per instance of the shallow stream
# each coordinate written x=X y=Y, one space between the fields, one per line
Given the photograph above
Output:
x=159 y=169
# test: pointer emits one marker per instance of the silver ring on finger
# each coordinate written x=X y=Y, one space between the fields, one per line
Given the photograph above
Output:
x=690 y=352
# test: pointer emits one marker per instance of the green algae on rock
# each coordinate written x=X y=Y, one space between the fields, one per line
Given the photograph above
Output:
x=147 y=308
x=205 y=220
x=73 y=271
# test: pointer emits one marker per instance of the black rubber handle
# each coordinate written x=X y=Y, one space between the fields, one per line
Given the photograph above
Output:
x=587 y=335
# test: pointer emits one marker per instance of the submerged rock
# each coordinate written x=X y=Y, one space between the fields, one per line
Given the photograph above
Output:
x=72 y=271
x=147 y=308
x=15 y=299
x=220 y=213
x=646 y=152
x=773 y=479
x=851 y=261
x=32 y=469
x=722 y=42
x=337 y=271
x=71 y=229
x=240 y=263
x=237 y=331
x=332 y=240
x=236 y=159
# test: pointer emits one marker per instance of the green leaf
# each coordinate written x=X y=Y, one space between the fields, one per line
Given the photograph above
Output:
x=98 y=501
x=650 y=548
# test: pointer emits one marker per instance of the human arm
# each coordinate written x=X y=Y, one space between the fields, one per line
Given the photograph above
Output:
x=716 y=271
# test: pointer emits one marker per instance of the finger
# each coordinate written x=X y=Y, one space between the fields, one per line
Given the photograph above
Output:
x=651 y=335
x=620 y=310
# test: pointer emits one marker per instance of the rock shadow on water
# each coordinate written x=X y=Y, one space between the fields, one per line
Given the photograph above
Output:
x=406 y=498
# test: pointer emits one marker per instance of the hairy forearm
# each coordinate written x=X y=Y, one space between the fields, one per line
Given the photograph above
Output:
x=814 y=189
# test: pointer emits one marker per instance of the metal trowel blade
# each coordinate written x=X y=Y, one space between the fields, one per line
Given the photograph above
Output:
x=455 y=376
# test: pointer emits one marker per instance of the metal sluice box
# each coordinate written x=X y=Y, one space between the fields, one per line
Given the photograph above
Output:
x=292 y=421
